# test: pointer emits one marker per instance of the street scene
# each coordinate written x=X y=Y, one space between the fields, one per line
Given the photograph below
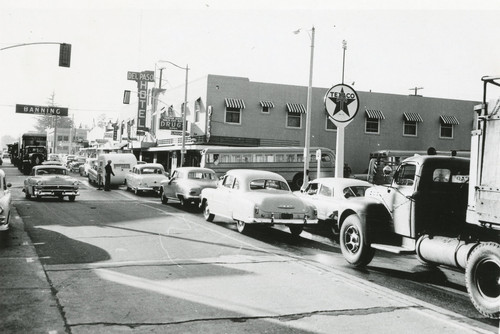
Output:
x=229 y=167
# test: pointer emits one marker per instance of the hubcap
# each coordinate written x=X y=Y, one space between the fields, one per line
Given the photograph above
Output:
x=351 y=239
x=488 y=278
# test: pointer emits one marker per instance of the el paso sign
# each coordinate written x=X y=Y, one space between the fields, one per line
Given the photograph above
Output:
x=41 y=110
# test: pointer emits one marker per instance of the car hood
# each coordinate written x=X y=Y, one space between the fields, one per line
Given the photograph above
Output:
x=53 y=179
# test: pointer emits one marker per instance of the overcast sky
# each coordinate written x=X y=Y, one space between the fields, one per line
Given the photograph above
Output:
x=392 y=46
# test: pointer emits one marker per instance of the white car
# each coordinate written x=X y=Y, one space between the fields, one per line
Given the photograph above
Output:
x=50 y=180
x=186 y=185
x=330 y=195
x=5 y=202
x=257 y=197
x=87 y=166
x=145 y=177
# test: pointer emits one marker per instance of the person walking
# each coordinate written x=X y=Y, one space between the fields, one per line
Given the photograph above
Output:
x=109 y=172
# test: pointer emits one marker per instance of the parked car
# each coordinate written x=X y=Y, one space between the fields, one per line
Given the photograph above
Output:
x=330 y=195
x=75 y=166
x=5 y=202
x=50 y=180
x=84 y=169
x=186 y=185
x=257 y=197
x=94 y=173
x=145 y=177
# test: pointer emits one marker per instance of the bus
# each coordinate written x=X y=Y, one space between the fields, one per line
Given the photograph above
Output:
x=383 y=163
x=286 y=161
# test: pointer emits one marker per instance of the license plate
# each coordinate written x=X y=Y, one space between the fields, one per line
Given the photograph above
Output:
x=286 y=216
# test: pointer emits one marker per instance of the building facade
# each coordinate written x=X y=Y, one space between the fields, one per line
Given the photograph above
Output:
x=68 y=140
x=234 y=111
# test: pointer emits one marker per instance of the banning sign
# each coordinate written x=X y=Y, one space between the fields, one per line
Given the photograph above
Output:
x=41 y=110
x=171 y=123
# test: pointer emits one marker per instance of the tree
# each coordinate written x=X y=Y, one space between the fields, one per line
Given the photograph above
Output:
x=47 y=121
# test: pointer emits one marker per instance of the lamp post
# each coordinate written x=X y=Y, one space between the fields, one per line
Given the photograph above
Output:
x=183 y=149
x=308 y=116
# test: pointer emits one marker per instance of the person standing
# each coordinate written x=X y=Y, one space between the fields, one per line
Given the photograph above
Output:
x=109 y=172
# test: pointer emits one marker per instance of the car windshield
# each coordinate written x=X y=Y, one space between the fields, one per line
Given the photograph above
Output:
x=201 y=176
x=55 y=171
x=355 y=191
x=151 y=170
x=269 y=184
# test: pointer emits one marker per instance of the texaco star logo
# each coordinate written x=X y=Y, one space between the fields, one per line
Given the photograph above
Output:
x=341 y=103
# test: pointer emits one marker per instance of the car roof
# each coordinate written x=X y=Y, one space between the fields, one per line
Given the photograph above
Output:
x=149 y=165
x=246 y=174
x=196 y=169
x=342 y=182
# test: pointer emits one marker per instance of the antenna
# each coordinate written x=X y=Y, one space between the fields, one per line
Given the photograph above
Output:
x=416 y=89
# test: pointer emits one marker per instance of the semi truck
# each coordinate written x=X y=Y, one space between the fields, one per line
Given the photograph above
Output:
x=443 y=209
x=32 y=151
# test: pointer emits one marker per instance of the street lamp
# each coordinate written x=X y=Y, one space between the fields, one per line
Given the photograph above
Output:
x=183 y=149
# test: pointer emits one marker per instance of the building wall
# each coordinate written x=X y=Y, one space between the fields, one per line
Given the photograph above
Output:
x=272 y=126
x=63 y=141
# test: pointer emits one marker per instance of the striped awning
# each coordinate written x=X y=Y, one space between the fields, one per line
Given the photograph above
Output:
x=268 y=104
x=451 y=120
x=413 y=117
x=235 y=103
x=372 y=113
x=296 y=108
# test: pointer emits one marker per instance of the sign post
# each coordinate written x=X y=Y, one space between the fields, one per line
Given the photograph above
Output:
x=342 y=104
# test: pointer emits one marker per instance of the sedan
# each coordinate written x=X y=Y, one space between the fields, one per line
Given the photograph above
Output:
x=257 y=197
x=186 y=185
x=145 y=177
x=330 y=195
x=5 y=202
x=50 y=180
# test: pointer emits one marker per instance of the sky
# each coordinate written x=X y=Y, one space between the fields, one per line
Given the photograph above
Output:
x=443 y=46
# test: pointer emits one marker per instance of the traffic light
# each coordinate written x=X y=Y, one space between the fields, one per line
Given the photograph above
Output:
x=64 y=55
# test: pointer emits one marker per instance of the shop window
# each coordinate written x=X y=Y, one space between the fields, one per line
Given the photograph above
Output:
x=446 y=131
x=372 y=125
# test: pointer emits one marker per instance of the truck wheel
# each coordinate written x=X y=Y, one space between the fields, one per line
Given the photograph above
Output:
x=482 y=277
x=209 y=217
x=353 y=243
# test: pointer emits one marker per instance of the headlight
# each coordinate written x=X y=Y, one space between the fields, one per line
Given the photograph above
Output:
x=76 y=183
x=39 y=183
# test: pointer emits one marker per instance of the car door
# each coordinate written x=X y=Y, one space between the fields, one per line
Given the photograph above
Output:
x=324 y=201
x=222 y=197
x=399 y=198
x=170 y=187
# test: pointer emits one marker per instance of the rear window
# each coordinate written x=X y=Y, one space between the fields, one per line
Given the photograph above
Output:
x=269 y=184
x=201 y=176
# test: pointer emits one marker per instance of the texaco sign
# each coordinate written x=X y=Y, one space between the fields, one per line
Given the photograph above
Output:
x=341 y=103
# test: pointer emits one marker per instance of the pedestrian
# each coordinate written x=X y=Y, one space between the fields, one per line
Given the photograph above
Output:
x=109 y=172
x=99 y=178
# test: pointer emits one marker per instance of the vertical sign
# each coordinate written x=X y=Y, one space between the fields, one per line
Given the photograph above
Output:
x=142 y=79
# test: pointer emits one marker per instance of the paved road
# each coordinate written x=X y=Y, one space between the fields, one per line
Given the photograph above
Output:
x=117 y=262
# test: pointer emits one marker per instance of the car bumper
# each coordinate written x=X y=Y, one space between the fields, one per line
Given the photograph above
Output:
x=44 y=192
x=271 y=221
x=154 y=188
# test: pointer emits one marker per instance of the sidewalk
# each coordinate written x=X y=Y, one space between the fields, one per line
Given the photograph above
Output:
x=27 y=304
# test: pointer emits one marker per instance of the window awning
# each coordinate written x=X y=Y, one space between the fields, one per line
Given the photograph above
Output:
x=235 y=103
x=296 y=108
x=451 y=120
x=413 y=117
x=371 y=113
x=268 y=104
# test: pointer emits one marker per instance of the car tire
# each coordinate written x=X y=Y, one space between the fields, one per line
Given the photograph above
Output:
x=61 y=198
x=136 y=191
x=182 y=201
x=27 y=194
x=209 y=217
x=164 y=198
x=71 y=198
x=296 y=230
x=481 y=278
x=241 y=226
x=353 y=243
